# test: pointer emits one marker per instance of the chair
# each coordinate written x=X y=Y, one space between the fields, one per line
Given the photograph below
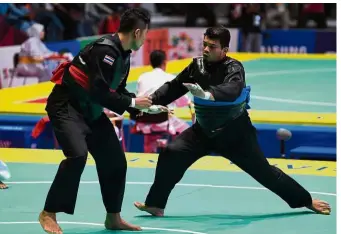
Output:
x=148 y=119
x=15 y=74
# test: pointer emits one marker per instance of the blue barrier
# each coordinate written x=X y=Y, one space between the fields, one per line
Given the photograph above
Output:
x=325 y=42
x=292 y=41
x=15 y=131
x=289 y=41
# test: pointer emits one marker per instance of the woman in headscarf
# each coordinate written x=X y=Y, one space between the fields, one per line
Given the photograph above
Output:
x=35 y=59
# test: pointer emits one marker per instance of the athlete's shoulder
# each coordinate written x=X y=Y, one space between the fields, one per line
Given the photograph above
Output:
x=102 y=49
x=233 y=64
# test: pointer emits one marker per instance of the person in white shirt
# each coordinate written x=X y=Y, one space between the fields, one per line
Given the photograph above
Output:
x=147 y=84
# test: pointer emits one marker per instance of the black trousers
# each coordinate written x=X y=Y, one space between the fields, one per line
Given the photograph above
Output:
x=76 y=137
x=238 y=143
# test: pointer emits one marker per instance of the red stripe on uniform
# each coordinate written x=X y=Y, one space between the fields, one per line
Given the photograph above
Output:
x=80 y=77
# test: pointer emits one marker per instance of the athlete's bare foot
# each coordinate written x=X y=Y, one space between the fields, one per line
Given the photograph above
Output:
x=3 y=186
x=115 y=222
x=320 y=207
x=49 y=223
x=151 y=210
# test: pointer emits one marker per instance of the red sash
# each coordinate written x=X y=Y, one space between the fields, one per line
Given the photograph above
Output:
x=80 y=77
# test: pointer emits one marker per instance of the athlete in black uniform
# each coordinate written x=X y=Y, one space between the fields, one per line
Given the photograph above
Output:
x=96 y=78
x=221 y=97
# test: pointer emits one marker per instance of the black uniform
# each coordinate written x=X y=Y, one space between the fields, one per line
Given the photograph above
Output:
x=225 y=130
x=96 y=78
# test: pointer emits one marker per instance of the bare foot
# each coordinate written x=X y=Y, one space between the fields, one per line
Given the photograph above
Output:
x=320 y=207
x=115 y=222
x=151 y=210
x=3 y=186
x=49 y=223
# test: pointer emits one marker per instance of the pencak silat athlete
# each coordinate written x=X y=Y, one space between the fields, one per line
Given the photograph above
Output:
x=95 y=79
x=223 y=125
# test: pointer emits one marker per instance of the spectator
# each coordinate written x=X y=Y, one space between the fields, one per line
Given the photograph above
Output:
x=278 y=12
x=197 y=10
x=253 y=18
x=44 y=14
x=312 y=11
x=110 y=24
x=147 y=84
x=32 y=55
x=235 y=15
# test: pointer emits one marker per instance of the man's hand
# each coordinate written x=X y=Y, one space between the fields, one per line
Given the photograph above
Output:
x=143 y=102
x=156 y=109
x=197 y=91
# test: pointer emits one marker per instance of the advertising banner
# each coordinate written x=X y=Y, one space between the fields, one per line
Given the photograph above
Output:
x=325 y=42
x=187 y=42
x=157 y=39
x=289 y=41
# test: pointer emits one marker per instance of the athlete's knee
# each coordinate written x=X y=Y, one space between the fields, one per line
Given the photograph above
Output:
x=77 y=164
x=113 y=165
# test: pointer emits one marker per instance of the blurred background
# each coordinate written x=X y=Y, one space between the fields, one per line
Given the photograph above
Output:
x=278 y=28
x=267 y=38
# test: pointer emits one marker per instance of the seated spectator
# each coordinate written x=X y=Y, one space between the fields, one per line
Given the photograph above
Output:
x=147 y=84
x=35 y=57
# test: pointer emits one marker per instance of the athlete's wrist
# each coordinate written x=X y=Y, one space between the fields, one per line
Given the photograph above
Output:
x=132 y=104
x=207 y=96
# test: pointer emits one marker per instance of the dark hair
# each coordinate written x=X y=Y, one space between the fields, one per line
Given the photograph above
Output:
x=157 y=57
x=134 y=18
x=219 y=33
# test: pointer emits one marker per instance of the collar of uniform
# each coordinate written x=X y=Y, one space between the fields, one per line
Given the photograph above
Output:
x=213 y=65
x=117 y=40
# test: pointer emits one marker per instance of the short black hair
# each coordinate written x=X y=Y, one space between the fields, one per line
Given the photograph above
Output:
x=219 y=33
x=134 y=18
x=157 y=57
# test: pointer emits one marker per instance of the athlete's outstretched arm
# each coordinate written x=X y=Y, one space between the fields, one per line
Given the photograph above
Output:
x=172 y=90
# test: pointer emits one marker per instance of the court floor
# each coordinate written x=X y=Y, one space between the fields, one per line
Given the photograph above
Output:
x=213 y=197
x=290 y=84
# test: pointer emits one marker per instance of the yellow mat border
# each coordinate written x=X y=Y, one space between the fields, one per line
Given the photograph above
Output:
x=140 y=160
x=12 y=100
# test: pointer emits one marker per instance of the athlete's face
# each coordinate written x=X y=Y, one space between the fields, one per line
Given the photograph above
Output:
x=139 y=37
x=212 y=50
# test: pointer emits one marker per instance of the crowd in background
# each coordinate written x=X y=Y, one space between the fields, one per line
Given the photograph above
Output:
x=65 y=21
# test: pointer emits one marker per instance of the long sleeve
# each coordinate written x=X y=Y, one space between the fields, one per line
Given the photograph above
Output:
x=172 y=90
x=123 y=91
x=232 y=86
x=102 y=67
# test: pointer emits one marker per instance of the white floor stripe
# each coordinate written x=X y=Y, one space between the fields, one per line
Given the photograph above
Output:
x=180 y=184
